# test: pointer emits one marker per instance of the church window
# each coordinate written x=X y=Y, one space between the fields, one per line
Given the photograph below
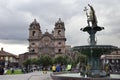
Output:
x=59 y=50
x=32 y=50
x=33 y=43
x=59 y=26
x=59 y=32
x=34 y=27
x=59 y=43
x=33 y=33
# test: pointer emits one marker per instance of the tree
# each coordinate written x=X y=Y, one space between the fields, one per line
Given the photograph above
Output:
x=45 y=60
x=59 y=60
x=27 y=62
x=34 y=61
x=62 y=59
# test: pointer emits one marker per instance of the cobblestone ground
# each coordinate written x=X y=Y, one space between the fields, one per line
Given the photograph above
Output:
x=38 y=75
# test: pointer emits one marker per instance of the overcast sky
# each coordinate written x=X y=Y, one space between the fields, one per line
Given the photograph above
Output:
x=16 y=16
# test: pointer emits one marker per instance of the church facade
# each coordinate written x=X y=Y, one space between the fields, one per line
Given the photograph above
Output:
x=47 y=43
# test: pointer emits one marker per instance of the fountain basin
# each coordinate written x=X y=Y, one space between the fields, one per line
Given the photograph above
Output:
x=77 y=76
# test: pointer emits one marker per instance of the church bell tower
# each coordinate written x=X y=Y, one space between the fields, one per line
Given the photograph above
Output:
x=59 y=34
x=34 y=36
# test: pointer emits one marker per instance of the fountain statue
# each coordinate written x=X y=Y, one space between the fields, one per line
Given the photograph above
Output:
x=92 y=27
x=94 y=70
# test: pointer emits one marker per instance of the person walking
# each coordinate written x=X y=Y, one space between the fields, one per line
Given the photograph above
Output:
x=58 y=68
x=54 y=68
x=69 y=67
x=1 y=70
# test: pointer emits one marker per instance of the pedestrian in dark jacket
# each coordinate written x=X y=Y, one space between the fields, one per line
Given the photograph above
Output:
x=58 y=68
x=1 y=70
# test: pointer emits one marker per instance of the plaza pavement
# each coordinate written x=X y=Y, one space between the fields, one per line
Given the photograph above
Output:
x=37 y=75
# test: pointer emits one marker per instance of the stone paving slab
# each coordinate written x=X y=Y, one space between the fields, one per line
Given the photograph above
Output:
x=38 y=75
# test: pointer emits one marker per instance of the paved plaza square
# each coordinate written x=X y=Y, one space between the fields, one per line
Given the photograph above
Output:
x=37 y=75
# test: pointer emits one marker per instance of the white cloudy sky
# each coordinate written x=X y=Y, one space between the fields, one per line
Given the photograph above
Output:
x=16 y=15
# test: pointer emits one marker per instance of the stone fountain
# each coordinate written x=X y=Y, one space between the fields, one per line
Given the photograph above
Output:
x=93 y=53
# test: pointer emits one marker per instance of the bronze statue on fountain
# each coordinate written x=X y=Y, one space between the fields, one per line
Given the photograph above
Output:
x=92 y=27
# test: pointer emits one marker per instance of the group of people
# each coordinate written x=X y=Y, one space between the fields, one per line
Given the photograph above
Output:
x=58 y=68
x=112 y=67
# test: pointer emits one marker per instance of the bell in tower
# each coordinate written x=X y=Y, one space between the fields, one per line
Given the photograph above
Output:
x=59 y=29
x=34 y=29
